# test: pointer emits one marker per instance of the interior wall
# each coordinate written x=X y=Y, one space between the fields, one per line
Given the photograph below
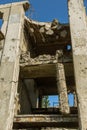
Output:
x=28 y=94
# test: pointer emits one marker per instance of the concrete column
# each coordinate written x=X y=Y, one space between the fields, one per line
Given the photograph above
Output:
x=78 y=26
x=24 y=98
x=5 y=18
x=75 y=99
x=9 y=68
x=32 y=91
x=62 y=87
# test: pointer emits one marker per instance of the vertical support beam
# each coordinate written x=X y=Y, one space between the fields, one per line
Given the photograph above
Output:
x=75 y=99
x=5 y=17
x=9 y=68
x=24 y=98
x=32 y=91
x=78 y=26
x=61 y=84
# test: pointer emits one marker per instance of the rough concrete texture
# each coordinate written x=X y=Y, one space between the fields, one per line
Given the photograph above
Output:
x=5 y=12
x=56 y=129
x=62 y=87
x=28 y=94
x=45 y=65
x=24 y=101
x=50 y=128
x=9 y=68
x=78 y=25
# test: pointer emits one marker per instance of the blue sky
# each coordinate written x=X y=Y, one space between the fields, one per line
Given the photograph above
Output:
x=46 y=10
x=54 y=101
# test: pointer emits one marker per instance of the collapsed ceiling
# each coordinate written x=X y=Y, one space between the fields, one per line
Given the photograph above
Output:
x=46 y=38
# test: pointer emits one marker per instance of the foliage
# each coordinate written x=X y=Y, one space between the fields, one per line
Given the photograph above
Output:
x=45 y=102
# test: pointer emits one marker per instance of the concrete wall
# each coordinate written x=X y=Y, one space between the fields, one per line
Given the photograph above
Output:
x=28 y=94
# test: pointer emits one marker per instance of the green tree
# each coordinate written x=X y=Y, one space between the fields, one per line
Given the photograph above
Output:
x=45 y=102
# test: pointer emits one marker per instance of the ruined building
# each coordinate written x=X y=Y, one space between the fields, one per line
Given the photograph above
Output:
x=38 y=59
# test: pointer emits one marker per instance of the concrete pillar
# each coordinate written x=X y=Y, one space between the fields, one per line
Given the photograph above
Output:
x=9 y=68
x=24 y=99
x=75 y=99
x=5 y=17
x=62 y=87
x=78 y=26
x=32 y=91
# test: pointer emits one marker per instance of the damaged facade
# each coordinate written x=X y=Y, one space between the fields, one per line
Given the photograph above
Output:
x=35 y=61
